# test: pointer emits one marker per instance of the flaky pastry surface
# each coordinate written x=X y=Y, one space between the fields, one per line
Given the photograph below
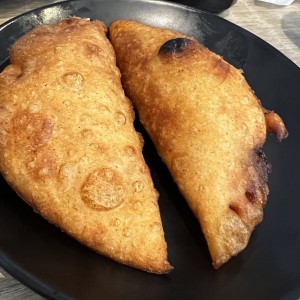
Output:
x=68 y=146
x=207 y=125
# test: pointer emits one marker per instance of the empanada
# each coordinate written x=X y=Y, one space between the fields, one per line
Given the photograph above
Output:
x=207 y=125
x=69 y=148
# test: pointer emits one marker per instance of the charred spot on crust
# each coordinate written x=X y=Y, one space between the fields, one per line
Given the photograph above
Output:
x=257 y=188
x=235 y=209
x=249 y=208
x=250 y=195
x=262 y=165
x=174 y=46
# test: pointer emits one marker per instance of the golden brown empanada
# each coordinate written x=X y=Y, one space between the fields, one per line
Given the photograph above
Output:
x=68 y=146
x=207 y=126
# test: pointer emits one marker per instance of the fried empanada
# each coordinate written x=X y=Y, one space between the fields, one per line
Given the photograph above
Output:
x=207 y=126
x=69 y=148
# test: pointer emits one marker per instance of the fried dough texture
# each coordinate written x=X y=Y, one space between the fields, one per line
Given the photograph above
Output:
x=69 y=148
x=207 y=126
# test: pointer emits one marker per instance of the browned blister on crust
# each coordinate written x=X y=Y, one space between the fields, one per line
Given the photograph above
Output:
x=207 y=125
x=69 y=148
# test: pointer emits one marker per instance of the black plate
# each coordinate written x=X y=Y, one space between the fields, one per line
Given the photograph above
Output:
x=56 y=266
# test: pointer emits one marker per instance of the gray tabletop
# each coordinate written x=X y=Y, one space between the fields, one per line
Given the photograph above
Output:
x=277 y=25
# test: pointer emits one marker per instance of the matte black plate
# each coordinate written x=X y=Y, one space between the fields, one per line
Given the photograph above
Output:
x=56 y=266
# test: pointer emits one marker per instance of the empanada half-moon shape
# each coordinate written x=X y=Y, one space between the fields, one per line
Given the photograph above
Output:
x=207 y=125
x=69 y=148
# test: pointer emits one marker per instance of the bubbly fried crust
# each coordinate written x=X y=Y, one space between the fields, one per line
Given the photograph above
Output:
x=68 y=146
x=207 y=125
